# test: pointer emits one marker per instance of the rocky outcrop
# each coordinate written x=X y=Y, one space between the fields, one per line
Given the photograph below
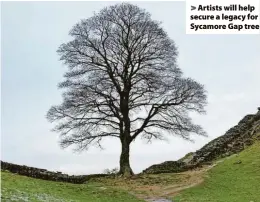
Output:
x=233 y=141
x=47 y=175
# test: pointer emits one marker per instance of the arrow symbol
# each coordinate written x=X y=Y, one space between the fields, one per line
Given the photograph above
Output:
x=193 y=8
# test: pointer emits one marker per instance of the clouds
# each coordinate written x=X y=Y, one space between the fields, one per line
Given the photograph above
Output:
x=228 y=66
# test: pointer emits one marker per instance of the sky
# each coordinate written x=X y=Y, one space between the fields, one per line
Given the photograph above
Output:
x=228 y=66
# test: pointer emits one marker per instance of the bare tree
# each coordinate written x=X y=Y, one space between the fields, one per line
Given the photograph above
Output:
x=123 y=82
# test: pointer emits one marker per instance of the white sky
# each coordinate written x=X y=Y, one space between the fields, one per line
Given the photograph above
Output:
x=228 y=65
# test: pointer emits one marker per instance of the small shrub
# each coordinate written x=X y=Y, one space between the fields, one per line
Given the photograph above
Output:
x=113 y=171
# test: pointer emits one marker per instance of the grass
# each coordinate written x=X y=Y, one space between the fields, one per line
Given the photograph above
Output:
x=21 y=188
x=153 y=186
x=229 y=181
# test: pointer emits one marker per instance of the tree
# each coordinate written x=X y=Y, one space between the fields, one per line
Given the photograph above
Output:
x=123 y=82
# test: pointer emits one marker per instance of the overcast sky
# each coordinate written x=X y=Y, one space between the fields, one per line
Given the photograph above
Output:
x=228 y=66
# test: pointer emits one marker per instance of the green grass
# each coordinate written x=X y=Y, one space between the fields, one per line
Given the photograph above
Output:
x=20 y=188
x=228 y=181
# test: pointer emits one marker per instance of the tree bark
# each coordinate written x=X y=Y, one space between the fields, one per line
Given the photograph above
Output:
x=125 y=136
x=125 y=168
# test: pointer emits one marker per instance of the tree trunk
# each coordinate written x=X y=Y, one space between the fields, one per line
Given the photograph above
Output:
x=125 y=168
x=125 y=136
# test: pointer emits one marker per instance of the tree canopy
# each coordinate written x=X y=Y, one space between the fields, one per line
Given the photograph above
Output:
x=123 y=81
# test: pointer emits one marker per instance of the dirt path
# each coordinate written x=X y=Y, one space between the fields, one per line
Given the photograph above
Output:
x=158 y=200
x=158 y=187
x=158 y=193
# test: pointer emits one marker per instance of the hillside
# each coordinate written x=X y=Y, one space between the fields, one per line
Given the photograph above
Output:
x=21 y=188
x=226 y=169
x=235 y=140
x=236 y=179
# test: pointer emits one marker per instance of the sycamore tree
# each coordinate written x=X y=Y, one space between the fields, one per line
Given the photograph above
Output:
x=123 y=82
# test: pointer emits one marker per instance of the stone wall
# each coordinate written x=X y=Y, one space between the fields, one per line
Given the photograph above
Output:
x=47 y=175
x=168 y=167
x=233 y=141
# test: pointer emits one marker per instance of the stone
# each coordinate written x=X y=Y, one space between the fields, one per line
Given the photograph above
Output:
x=232 y=142
x=45 y=174
x=238 y=162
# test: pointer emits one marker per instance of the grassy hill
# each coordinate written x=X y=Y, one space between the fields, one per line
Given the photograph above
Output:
x=235 y=140
x=231 y=174
x=236 y=179
x=233 y=179
x=22 y=188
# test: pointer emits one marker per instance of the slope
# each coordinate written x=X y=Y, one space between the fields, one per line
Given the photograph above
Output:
x=21 y=188
x=235 y=140
x=236 y=179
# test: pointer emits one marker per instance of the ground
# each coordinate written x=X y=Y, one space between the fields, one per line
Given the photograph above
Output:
x=236 y=179
x=21 y=188
x=154 y=186
x=233 y=179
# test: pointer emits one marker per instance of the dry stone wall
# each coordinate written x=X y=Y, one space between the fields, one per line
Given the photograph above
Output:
x=233 y=141
x=45 y=174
